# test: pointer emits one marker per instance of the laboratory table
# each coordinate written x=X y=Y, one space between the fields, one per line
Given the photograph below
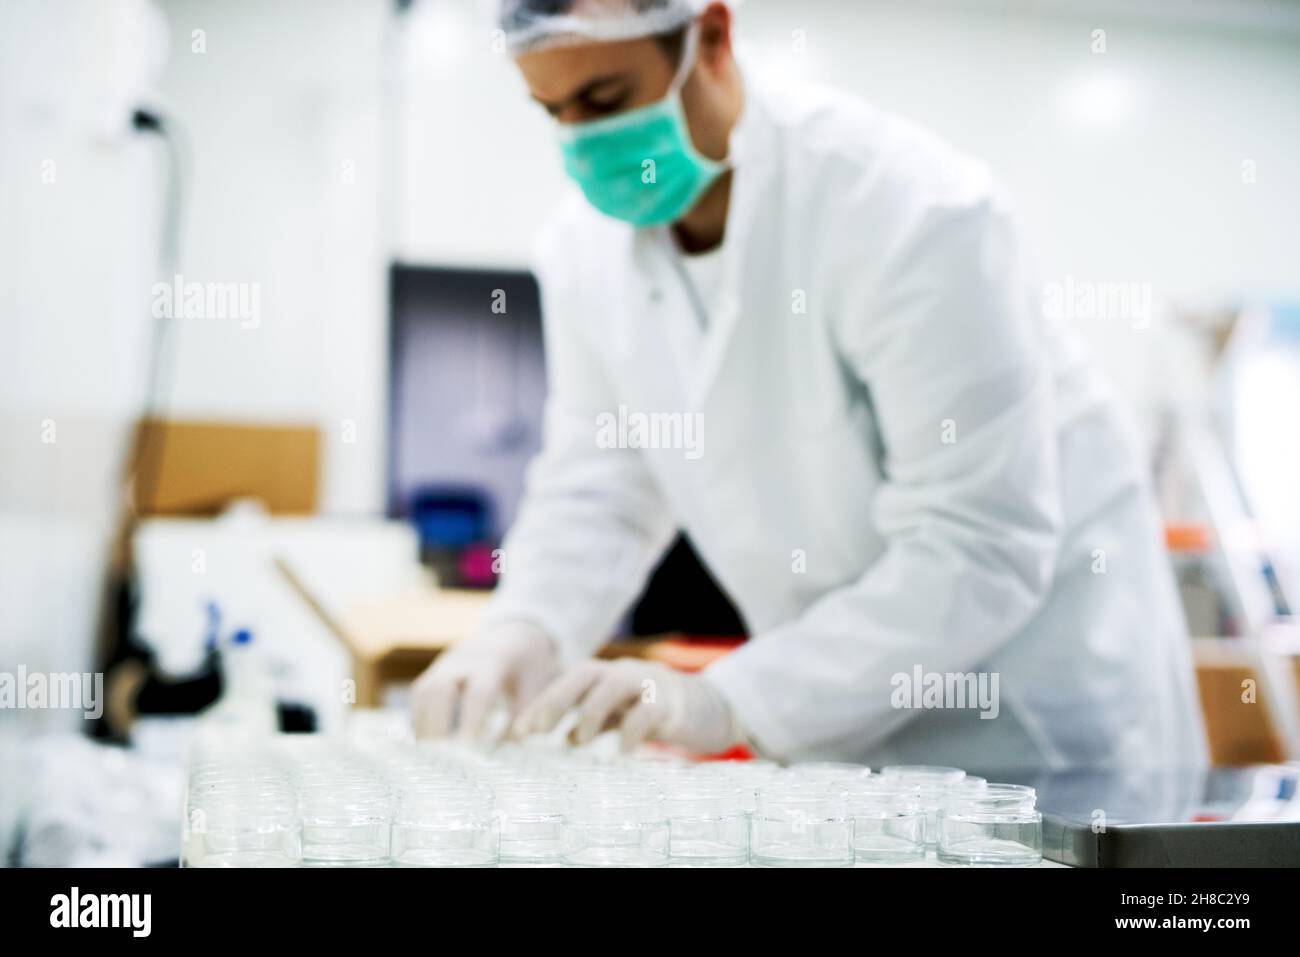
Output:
x=1221 y=817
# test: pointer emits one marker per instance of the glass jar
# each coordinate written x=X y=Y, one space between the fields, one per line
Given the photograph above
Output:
x=707 y=823
x=318 y=771
x=345 y=823
x=798 y=824
x=923 y=773
x=888 y=820
x=932 y=781
x=530 y=811
x=211 y=778
x=994 y=825
x=248 y=826
x=616 y=822
x=828 y=771
x=401 y=765
x=747 y=775
x=446 y=823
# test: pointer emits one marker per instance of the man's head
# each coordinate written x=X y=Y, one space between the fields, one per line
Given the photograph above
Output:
x=588 y=60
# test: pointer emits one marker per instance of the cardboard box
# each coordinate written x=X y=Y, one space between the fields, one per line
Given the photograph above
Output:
x=1238 y=723
x=196 y=468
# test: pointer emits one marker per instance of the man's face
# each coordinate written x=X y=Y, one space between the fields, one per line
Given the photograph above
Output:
x=591 y=80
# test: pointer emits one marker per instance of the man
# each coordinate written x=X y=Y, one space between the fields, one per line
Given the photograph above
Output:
x=900 y=471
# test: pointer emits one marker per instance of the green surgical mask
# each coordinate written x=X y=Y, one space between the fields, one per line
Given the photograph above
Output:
x=641 y=166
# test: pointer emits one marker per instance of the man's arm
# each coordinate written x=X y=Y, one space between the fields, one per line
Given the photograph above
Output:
x=592 y=522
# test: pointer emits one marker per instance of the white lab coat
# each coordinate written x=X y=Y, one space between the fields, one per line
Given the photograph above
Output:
x=902 y=463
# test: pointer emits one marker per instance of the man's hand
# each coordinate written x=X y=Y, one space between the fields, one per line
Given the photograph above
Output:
x=645 y=700
x=513 y=660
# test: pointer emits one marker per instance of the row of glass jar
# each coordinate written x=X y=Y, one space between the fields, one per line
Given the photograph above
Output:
x=413 y=811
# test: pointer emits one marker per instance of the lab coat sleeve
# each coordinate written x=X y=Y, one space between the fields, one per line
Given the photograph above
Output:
x=947 y=346
x=591 y=523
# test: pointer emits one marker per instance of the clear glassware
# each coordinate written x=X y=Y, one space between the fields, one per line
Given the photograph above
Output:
x=923 y=773
x=339 y=768
x=345 y=823
x=403 y=764
x=241 y=827
x=888 y=820
x=400 y=777
x=748 y=775
x=757 y=767
x=800 y=824
x=229 y=776
x=605 y=772
x=932 y=781
x=616 y=821
x=663 y=773
x=531 y=807
x=828 y=771
x=997 y=824
x=447 y=823
x=970 y=781
x=708 y=825
x=267 y=783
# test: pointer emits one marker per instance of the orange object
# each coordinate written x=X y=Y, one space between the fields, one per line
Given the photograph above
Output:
x=1187 y=537
x=737 y=752
x=674 y=650
x=687 y=654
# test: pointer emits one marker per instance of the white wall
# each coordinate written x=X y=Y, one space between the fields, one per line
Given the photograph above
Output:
x=78 y=215
x=477 y=170
x=1126 y=165
x=283 y=110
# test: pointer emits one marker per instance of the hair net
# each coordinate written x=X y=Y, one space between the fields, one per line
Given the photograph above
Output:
x=529 y=24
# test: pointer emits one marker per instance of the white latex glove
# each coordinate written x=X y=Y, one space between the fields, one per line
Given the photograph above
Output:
x=643 y=699
x=513 y=660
